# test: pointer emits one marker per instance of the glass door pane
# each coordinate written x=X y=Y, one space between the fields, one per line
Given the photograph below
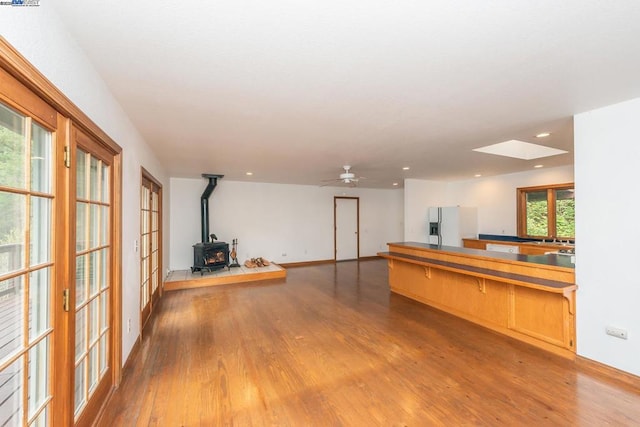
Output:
x=150 y=241
x=565 y=213
x=26 y=269
x=537 y=214
x=92 y=285
x=145 y=237
x=155 y=236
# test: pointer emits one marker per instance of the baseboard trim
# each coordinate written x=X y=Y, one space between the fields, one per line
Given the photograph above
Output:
x=132 y=354
x=609 y=372
x=369 y=258
x=325 y=261
x=306 y=263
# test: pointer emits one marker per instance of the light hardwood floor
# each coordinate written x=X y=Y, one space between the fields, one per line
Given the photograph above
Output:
x=332 y=346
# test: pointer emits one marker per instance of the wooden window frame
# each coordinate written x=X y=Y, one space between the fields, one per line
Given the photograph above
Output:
x=551 y=209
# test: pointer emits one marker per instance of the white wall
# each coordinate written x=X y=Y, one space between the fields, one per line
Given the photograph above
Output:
x=419 y=195
x=495 y=197
x=271 y=219
x=38 y=34
x=607 y=154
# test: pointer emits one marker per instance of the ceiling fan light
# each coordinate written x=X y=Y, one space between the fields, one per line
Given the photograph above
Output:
x=347 y=175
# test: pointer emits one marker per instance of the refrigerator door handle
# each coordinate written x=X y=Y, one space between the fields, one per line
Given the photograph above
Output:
x=439 y=226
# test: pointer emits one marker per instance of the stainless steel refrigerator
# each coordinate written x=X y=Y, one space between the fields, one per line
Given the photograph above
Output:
x=447 y=226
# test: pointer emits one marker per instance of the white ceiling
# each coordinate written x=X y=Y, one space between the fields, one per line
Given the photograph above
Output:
x=292 y=90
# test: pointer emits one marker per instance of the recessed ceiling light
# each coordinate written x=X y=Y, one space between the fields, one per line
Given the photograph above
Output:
x=543 y=135
x=395 y=183
x=249 y=173
x=406 y=168
x=477 y=175
x=520 y=150
x=538 y=166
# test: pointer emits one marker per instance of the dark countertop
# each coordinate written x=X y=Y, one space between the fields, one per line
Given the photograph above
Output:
x=483 y=272
x=552 y=260
x=515 y=239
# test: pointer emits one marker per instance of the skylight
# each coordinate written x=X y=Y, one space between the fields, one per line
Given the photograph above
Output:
x=520 y=150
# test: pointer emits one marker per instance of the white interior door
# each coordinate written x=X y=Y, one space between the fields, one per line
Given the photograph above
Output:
x=346 y=228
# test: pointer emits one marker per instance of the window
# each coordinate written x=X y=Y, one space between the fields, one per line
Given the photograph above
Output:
x=547 y=211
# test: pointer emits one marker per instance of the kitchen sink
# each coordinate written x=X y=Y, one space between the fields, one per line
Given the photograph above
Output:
x=567 y=252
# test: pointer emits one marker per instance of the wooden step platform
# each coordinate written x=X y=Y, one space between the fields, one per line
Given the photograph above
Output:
x=185 y=279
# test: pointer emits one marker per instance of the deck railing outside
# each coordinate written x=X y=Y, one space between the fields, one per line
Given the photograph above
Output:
x=11 y=322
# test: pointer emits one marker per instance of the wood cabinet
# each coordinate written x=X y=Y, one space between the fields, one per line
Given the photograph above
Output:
x=474 y=243
x=528 y=301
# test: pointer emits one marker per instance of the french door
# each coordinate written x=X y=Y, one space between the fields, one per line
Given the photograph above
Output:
x=150 y=244
x=59 y=282
x=93 y=285
x=29 y=264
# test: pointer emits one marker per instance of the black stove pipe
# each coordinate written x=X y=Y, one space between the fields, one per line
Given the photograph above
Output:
x=204 y=204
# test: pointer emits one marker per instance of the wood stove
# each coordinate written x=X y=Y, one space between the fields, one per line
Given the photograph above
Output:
x=209 y=255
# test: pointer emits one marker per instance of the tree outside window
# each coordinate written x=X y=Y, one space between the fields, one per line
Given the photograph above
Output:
x=547 y=212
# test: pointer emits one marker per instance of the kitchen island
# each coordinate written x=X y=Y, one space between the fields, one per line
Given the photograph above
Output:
x=527 y=297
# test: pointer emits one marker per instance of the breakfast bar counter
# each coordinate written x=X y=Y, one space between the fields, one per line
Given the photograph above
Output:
x=527 y=297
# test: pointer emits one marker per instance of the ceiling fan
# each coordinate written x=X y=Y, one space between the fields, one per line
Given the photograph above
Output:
x=347 y=177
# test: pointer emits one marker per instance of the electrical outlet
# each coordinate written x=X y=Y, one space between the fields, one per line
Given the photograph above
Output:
x=284 y=254
x=616 y=332
x=128 y=325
